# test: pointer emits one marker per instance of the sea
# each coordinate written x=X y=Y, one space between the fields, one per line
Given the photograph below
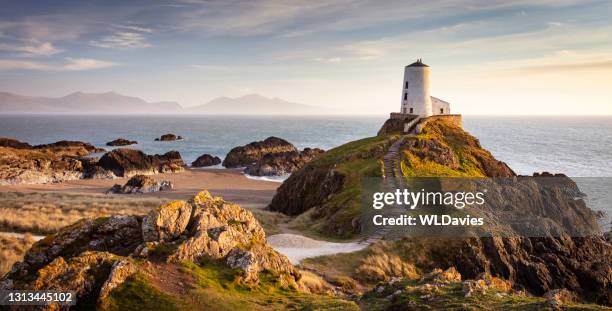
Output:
x=578 y=146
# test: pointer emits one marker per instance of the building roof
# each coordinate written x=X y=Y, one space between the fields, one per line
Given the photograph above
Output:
x=418 y=63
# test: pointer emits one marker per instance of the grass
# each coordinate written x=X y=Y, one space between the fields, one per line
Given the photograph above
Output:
x=451 y=297
x=45 y=213
x=215 y=287
x=12 y=250
x=354 y=160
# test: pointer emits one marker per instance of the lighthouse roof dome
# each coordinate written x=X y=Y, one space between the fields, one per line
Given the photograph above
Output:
x=418 y=63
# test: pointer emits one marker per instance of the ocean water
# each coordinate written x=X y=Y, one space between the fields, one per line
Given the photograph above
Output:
x=576 y=146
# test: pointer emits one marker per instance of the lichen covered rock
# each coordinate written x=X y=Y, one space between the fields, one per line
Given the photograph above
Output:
x=142 y=184
x=166 y=222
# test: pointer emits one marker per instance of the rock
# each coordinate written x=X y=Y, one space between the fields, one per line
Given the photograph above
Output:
x=283 y=163
x=63 y=144
x=121 y=142
x=450 y=275
x=206 y=160
x=252 y=152
x=121 y=270
x=13 y=143
x=166 y=222
x=141 y=184
x=218 y=227
x=94 y=256
x=37 y=166
x=125 y=162
x=485 y=282
x=119 y=235
x=169 y=137
x=557 y=298
x=245 y=261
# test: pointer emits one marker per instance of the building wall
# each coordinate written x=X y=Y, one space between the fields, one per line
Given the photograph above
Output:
x=439 y=106
x=417 y=95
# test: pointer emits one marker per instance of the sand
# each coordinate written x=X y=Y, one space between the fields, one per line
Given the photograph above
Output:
x=231 y=184
x=297 y=247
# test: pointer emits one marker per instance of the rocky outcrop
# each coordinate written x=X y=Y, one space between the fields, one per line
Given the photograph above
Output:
x=125 y=162
x=68 y=144
x=283 y=163
x=141 y=184
x=169 y=137
x=13 y=143
x=565 y=249
x=121 y=142
x=95 y=256
x=251 y=153
x=206 y=160
x=36 y=166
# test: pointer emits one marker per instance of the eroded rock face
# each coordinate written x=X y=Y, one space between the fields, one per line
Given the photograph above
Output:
x=141 y=184
x=283 y=163
x=121 y=142
x=206 y=160
x=94 y=256
x=125 y=162
x=166 y=222
x=251 y=153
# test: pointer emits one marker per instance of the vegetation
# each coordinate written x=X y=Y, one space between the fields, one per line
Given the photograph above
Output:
x=354 y=160
x=12 y=250
x=214 y=286
x=44 y=213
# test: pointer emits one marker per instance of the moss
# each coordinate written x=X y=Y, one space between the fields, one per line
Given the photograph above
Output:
x=136 y=293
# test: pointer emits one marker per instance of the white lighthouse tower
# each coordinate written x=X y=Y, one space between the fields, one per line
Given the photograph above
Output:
x=416 y=97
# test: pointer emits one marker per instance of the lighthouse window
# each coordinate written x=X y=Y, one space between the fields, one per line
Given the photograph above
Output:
x=411 y=110
x=406 y=85
x=441 y=110
x=405 y=96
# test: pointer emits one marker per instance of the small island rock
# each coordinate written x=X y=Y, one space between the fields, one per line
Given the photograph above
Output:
x=169 y=137
x=121 y=142
x=206 y=160
x=251 y=153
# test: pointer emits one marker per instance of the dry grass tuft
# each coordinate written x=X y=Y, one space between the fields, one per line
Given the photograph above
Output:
x=12 y=250
x=45 y=213
x=382 y=267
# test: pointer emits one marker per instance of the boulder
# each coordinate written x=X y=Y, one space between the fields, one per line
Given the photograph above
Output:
x=121 y=142
x=169 y=137
x=141 y=184
x=166 y=222
x=206 y=160
x=283 y=163
x=126 y=162
x=251 y=153
x=94 y=256
x=557 y=298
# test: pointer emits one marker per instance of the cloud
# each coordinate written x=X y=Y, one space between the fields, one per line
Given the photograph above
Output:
x=42 y=49
x=69 y=64
x=122 y=40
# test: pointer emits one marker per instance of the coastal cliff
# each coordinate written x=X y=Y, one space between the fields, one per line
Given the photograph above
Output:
x=325 y=196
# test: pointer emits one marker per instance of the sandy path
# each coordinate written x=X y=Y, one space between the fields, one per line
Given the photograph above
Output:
x=297 y=247
x=231 y=184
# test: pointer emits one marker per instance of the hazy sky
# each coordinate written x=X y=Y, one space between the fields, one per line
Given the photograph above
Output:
x=487 y=57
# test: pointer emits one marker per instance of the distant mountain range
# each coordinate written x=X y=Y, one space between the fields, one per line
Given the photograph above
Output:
x=113 y=103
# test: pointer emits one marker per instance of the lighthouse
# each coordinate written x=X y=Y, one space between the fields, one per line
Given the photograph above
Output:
x=416 y=90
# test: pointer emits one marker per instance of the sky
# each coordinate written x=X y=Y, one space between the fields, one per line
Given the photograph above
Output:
x=500 y=57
